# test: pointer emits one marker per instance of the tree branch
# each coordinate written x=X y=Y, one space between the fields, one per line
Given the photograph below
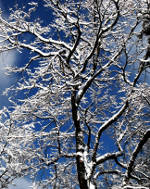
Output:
x=135 y=154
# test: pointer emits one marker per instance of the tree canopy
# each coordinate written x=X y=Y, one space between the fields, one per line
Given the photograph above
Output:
x=79 y=114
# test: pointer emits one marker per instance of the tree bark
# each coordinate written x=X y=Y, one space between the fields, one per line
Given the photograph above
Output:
x=81 y=170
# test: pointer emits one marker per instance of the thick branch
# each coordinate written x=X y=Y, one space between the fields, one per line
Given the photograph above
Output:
x=135 y=154
x=107 y=157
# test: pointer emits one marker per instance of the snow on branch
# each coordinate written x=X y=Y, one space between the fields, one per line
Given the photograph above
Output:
x=107 y=156
x=106 y=125
x=135 y=154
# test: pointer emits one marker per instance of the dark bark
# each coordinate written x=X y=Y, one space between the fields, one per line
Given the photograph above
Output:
x=81 y=171
x=135 y=154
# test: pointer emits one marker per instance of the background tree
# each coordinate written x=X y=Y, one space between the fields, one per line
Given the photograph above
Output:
x=81 y=90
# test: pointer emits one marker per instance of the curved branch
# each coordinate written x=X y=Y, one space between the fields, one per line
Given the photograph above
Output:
x=114 y=118
x=116 y=19
x=135 y=154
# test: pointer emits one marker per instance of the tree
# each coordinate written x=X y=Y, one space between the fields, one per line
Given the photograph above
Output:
x=12 y=159
x=81 y=92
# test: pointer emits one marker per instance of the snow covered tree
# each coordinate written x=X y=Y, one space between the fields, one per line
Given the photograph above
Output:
x=12 y=157
x=82 y=92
